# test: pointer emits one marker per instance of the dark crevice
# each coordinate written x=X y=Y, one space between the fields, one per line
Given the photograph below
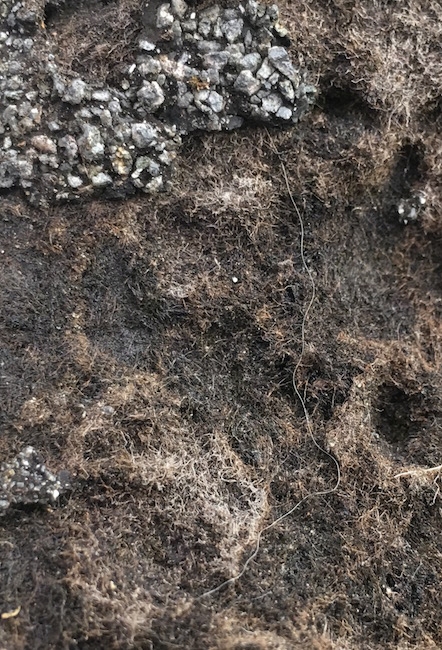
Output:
x=343 y=102
x=409 y=169
x=393 y=414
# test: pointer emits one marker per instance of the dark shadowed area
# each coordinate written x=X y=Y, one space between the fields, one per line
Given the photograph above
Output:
x=148 y=346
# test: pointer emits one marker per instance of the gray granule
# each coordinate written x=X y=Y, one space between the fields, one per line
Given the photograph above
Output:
x=26 y=480
x=210 y=70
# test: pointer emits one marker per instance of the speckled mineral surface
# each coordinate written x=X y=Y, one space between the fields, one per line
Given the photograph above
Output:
x=25 y=480
x=63 y=137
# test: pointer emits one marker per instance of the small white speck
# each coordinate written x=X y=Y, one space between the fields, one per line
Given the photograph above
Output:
x=235 y=280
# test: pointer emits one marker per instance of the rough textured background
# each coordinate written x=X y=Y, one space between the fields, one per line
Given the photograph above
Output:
x=69 y=134
x=132 y=359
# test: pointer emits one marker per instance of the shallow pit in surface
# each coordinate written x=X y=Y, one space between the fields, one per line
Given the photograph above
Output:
x=343 y=102
x=393 y=411
x=408 y=423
